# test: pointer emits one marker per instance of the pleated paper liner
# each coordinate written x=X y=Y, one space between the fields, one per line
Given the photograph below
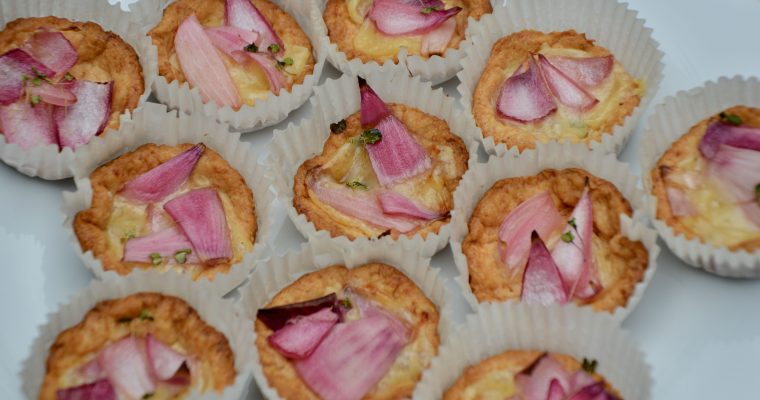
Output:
x=218 y=313
x=671 y=120
x=480 y=178
x=154 y=124
x=435 y=69
x=47 y=161
x=265 y=112
x=610 y=23
x=571 y=330
x=337 y=99
x=278 y=272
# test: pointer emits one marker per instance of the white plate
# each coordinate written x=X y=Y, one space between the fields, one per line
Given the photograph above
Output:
x=701 y=333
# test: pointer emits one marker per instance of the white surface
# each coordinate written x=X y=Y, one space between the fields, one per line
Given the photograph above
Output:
x=701 y=333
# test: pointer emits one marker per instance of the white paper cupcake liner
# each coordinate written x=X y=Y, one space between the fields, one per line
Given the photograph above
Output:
x=218 y=313
x=280 y=271
x=481 y=177
x=609 y=23
x=265 y=112
x=671 y=120
x=337 y=99
x=153 y=124
x=435 y=69
x=46 y=161
x=570 y=330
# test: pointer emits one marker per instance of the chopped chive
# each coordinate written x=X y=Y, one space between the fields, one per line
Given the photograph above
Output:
x=567 y=237
x=757 y=193
x=428 y=10
x=35 y=100
x=589 y=365
x=371 y=136
x=572 y=223
x=155 y=258
x=338 y=127
x=68 y=77
x=251 y=48
x=732 y=119
x=346 y=303
x=356 y=185
x=274 y=48
x=181 y=256
x=145 y=315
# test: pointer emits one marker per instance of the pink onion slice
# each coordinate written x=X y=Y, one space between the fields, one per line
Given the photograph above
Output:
x=586 y=71
x=244 y=15
x=590 y=392
x=360 y=205
x=53 y=50
x=79 y=123
x=28 y=125
x=536 y=384
x=437 y=40
x=680 y=204
x=92 y=371
x=276 y=317
x=397 y=156
x=57 y=95
x=352 y=358
x=719 y=133
x=524 y=96
x=556 y=392
x=166 y=243
x=100 y=390
x=395 y=203
x=201 y=216
x=373 y=109
x=16 y=66
x=394 y=17
x=165 y=178
x=737 y=170
x=164 y=361
x=539 y=214
x=542 y=283
x=301 y=336
x=565 y=89
x=202 y=65
x=127 y=367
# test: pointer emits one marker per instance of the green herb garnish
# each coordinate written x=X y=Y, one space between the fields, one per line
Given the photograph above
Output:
x=251 y=48
x=356 y=185
x=68 y=77
x=589 y=365
x=428 y=10
x=147 y=396
x=284 y=63
x=338 y=127
x=38 y=77
x=757 y=193
x=370 y=136
x=275 y=48
x=35 y=100
x=346 y=303
x=572 y=223
x=145 y=315
x=567 y=237
x=155 y=258
x=732 y=119
x=181 y=256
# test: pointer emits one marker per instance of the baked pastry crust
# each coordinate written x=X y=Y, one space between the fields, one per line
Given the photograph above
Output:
x=497 y=372
x=210 y=13
x=103 y=56
x=431 y=133
x=620 y=261
x=342 y=30
x=684 y=156
x=618 y=95
x=382 y=284
x=92 y=225
x=174 y=323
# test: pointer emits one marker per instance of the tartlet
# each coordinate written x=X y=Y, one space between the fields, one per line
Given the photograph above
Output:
x=353 y=29
x=86 y=61
x=132 y=223
x=276 y=68
x=108 y=343
x=417 y=200
x=554 y=202
x=358 y=295
x=707 y=184
x=538 y=86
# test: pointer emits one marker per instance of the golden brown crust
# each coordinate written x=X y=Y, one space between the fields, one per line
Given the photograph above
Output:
x=510 y=52
x=382 y=284
x=174 y=323
x=91 y=225
x=103 y=57
x=431 y=132
x=506 y=366
x=684 y=150
x=210 y=13
x=621 y=262
x=342 y=29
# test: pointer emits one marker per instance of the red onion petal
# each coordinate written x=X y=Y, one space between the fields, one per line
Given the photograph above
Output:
x=244 y=15
x=536 y=384
x=589 y=392
x=15 y=65
x=565 y=89
x=164 y=361
x=586 y=71
x=57 y=95
x=397 y=156
x=736 y=170
x=573 y=258
x=719 y=133
x=127 y=367
x=276 y=317
x=437 y=40
x=92 y=371
x=301 y=336
x=542 y=283
x=100 y=390
x=165 y=178
x=201 y=216
x=77 y=124
x=405 y=18
x=28 y=125
x=202 y=65
x=680 y=204
x=556 y=392
x=395 y=203
x=524 y=96
x=53 y=50
x=373 y=109
x=166 y=243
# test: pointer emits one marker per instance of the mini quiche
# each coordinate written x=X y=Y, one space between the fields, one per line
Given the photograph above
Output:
x=234 y=51
x=552 y=86
x=146 y=345
x=707 y=184
x=168 y=207
x=531 y=375
x=375 y=30
x=64 y=82
x=386 y=170
x=338 y=333
x=553 y=238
